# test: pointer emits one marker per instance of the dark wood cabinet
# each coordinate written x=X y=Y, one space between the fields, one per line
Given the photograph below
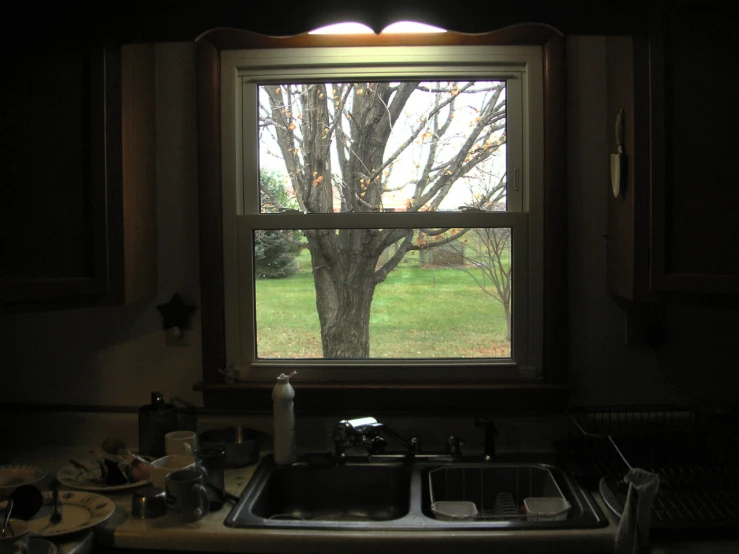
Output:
x=78 y=177
x=673 y=233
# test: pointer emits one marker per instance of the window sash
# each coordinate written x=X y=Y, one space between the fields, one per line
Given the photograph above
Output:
x=516 y=367
x=243 y=71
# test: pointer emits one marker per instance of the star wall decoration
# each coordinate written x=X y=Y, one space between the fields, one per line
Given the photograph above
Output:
x=175 y=313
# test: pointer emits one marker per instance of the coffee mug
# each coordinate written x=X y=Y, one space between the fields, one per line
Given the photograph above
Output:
x=15 y=540
x=159 y=469
x=186 y=493
x=180 y=443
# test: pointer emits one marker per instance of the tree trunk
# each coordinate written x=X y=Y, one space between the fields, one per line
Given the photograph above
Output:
x=344 y=275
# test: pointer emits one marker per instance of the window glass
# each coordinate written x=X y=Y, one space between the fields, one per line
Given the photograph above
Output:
x=446 y=293
x=402 y=146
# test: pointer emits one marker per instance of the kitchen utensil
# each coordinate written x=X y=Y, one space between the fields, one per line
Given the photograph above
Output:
x=156 y=420
x=56 y=515
x=27 y=500
x=180 y=442
x=186 y=493
x=148 y=502
x=241 y=444
x=210 y=463
x=452 y=511
x=8 y=511
x=12 y=476
x=546 y=508
x=80 y=510
x=15 y=541
x=159 y=469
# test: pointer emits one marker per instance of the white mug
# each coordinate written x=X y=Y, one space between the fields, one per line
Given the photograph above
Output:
x=180 y=443
x=159 y=469
x=16 y=536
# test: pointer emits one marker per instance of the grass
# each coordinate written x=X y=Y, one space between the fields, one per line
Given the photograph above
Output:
x=416 y=313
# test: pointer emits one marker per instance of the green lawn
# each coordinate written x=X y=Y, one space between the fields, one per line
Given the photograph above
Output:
x=416 y=312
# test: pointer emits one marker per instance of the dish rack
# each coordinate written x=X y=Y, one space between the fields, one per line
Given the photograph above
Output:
x=696 y=456
x=497 y=491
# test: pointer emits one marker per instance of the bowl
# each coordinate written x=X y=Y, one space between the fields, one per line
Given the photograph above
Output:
x=546 y=508
x=450 y=510
x=159 y=469
x=13 y=476
x=241 y=444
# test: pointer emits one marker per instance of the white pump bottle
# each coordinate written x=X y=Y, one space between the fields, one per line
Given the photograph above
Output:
x=285 y=448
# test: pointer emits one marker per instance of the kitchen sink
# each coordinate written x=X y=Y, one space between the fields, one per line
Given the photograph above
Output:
x=349 y=492
x=397 y=493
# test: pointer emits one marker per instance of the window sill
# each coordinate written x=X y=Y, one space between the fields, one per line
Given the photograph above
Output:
x=397 y=398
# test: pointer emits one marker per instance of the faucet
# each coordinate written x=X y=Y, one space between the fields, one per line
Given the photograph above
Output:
x=490 y=431
x=366 y=432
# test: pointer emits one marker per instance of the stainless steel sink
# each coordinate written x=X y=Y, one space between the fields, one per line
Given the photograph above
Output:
x=396 y=493
x=319 y=493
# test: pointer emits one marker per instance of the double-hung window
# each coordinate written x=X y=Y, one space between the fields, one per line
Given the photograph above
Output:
x=382 y=212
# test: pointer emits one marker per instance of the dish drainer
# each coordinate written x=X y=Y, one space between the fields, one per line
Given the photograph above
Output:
x=498 y=490
x=696 y=456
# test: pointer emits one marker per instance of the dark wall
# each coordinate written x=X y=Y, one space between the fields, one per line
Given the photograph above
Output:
x=138 y=21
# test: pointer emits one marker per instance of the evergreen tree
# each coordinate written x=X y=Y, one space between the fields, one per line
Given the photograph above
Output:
x=275 y=257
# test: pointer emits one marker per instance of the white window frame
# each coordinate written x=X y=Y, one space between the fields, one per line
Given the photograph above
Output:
x=521 y=66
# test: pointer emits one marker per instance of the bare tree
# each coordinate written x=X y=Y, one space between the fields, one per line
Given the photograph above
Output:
x=486 y=258
x=335 y=141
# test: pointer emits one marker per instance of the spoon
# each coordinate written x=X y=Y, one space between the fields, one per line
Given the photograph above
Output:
x=56 y=516
x=7 y=517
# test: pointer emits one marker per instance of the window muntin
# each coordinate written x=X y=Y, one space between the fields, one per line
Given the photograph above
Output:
x=519 y=67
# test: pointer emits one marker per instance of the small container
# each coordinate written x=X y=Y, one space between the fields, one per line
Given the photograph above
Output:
x=546 y=508
x=148 y=502
x=449 y=510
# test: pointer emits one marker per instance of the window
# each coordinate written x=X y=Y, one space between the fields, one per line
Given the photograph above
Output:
x=401 y=189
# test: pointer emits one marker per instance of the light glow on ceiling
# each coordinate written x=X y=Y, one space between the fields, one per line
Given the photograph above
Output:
x=354 y=28
x=411 y=27
x=346 y=28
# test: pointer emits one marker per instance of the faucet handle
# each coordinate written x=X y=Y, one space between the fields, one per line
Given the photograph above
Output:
x=453 y=443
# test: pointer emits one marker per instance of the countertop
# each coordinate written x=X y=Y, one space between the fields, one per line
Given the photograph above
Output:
x=209 y=534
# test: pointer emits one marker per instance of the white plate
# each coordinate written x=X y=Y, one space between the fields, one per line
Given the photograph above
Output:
x=79 y=479
x=80 y=511
x=12 y=476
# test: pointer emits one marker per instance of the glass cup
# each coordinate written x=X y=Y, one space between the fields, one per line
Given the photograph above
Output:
x=211 y=462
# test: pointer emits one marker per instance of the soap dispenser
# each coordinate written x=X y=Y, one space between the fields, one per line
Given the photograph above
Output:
x=285 y=448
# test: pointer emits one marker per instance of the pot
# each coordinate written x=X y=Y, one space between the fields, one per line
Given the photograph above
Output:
x=241 y=444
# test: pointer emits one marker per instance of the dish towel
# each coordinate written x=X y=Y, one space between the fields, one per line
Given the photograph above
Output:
x=632 y=535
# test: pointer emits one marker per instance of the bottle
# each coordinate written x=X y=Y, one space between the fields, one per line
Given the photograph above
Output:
x=285 y=449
